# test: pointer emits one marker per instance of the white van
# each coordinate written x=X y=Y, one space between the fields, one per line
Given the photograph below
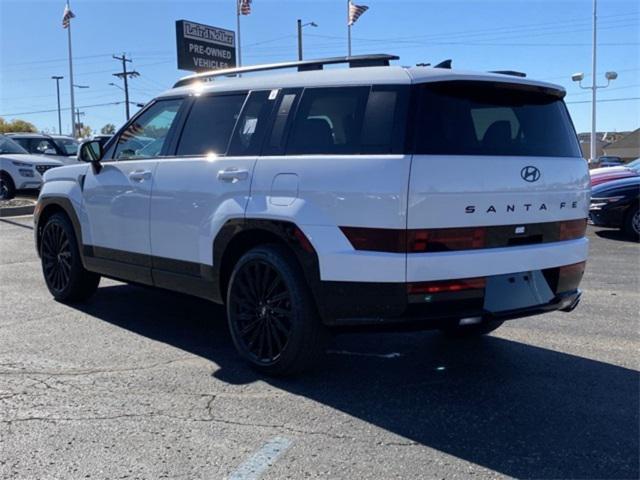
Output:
x=327 y=197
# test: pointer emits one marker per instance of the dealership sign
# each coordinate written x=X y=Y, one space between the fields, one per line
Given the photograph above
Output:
x=202 y=47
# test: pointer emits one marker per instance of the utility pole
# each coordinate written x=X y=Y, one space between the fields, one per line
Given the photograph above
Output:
x=124 y=75
x=78 y=122
x=57 y=79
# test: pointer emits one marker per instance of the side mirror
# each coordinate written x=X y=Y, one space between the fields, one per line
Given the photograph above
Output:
x=50 y=151
x=91 y=152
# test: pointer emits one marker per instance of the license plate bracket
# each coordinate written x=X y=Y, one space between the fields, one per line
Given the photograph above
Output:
x=516 y=290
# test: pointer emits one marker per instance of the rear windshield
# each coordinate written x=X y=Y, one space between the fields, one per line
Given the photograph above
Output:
x=482 y=118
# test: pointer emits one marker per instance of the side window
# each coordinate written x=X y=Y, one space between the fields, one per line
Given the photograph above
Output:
x=146 y=135
x=209 y=125
x=329 y=121
x=252 y=124
x=385 y=118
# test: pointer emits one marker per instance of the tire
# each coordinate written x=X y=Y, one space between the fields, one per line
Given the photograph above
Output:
x=470 y=331
x=7 y=187
x=64 y=274
x=272 y=317
x=632 y=223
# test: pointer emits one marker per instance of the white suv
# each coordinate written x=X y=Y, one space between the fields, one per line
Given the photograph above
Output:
x=319 y=199
x=20 y=170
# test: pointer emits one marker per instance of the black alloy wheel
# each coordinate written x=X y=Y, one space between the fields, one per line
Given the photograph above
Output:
x=64 y=274
x=262 y=310
x=272 y=315
x=56 y=257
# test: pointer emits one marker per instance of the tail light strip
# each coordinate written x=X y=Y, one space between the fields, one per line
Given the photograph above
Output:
x=468 y=238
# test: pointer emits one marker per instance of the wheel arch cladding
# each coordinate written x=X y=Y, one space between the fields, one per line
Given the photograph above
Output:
x=241 y=235
x=50 y=206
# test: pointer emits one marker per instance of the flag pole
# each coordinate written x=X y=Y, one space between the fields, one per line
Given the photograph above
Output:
x=73 y=103
x=348 y=30
x=239 y=45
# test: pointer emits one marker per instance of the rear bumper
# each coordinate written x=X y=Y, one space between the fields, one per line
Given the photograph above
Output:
x=388 y=304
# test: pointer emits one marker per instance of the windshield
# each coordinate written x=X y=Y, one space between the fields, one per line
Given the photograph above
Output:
x=487 y=118
x=69 y=145
x=635 y=165
x=9 y=146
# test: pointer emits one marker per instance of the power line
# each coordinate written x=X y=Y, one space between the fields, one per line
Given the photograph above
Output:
x=64 y=108
x=606 y=100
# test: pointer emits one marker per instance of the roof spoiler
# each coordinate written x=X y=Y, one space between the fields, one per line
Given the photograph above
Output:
x=374 y=60
x=513 y=73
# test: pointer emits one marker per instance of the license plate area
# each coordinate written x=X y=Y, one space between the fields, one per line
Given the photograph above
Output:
x=516 y=290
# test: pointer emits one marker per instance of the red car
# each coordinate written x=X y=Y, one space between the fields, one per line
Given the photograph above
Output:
x=608 y=174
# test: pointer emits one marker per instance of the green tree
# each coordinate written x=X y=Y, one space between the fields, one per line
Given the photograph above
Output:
x=85 y=131
x=16 y=125
x=108 y=129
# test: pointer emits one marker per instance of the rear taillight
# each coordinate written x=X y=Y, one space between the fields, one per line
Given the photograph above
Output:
x=376 y=239
x=445 y=239
x=414 y=241
x=572 y=229
x=446 y=286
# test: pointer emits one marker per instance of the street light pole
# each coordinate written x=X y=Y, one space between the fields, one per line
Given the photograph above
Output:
x=300 y=27
x=593 y=88
x=299 y=39
x=57 y=79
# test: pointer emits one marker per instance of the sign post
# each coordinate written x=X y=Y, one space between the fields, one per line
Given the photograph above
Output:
x=203 y=47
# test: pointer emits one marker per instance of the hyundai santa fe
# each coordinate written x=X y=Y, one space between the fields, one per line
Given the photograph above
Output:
x=319 y=199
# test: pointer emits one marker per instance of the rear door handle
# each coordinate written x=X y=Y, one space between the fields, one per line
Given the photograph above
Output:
x=140 y=175
x=233 y=175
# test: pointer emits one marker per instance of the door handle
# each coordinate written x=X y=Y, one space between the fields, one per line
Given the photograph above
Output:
x=233 y=175
x=140 y=175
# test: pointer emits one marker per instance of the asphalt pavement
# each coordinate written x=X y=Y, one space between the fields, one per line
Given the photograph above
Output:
x=143 y=383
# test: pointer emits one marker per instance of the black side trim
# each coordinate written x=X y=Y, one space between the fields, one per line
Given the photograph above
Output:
x=177 y=275
x=284 y=231
x=42 y=211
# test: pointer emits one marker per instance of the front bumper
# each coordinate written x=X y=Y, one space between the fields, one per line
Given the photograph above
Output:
x=374 y=304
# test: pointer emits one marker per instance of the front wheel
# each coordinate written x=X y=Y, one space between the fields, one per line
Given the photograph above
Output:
x=272 y=316
x=632 y=223
x=7 y=187
x=66 y=277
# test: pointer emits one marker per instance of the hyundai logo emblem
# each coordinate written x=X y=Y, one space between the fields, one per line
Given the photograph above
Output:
x=530 y=174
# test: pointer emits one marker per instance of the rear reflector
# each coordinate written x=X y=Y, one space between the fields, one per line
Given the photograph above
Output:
x=569 y=276
x=573 y=229
x=446 y=286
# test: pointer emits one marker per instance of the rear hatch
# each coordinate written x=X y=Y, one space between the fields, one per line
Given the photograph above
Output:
x=499 y=161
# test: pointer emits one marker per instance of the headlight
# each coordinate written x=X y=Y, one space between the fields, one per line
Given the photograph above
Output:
x=25 y=172
x=598 y=203
x=20 y=164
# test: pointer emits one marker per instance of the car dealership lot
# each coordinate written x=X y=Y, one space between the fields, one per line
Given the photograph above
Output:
x=140 y=383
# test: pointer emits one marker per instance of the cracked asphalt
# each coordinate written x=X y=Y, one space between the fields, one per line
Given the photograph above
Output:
x=141 y=383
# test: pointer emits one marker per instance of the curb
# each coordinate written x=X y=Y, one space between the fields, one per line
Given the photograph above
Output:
x=16 y=211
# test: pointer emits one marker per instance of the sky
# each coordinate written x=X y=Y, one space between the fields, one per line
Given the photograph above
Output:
x=548 y=39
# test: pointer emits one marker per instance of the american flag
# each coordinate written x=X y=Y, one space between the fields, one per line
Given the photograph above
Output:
x=133 y=130
x=244 y=7
x=355 y=11
x=67 y=16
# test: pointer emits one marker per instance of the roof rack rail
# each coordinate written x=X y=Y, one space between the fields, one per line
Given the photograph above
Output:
x=513 y=73
x=374 y=60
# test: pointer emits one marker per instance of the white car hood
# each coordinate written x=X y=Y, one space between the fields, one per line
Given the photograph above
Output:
x=31 y=159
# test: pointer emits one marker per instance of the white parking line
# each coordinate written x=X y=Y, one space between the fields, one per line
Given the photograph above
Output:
x=362 y=354
x=253 y=468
